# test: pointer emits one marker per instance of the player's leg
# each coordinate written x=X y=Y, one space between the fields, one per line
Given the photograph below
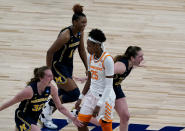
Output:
x=85 y=114
x=68 y=92
x=21 y=122
x=122 y=109
x=106 y=113
x=35 y=128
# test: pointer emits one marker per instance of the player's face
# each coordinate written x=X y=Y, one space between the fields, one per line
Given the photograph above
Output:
x=91 y=47
x=48 y=77
x=139 y=58
x=82 y=22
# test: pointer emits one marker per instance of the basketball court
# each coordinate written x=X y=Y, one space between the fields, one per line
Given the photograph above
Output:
x=155 y=92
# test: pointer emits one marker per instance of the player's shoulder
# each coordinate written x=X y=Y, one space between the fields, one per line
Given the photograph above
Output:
x=107 y=56
x=65 y=34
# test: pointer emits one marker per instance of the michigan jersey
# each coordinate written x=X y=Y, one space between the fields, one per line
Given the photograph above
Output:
x=33 y=107
x=65 y=54
x=118 y=78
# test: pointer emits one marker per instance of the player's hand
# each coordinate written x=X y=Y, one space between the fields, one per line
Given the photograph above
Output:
x=77 y=104
x=77 y=122
x=96 y=111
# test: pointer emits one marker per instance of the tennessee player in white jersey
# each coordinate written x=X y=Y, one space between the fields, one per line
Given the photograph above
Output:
x=98 y=93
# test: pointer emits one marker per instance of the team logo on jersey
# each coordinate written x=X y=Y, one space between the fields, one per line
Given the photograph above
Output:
x=47 y=91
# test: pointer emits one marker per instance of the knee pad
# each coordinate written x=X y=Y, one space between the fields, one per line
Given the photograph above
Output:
x=71 y=96
x=61 y=92
x=51 y=102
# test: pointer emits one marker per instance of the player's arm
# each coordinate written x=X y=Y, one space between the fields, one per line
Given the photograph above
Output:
x=82 y=51
x=86 y=87
x=88 y=82
x=26 y=93
x=84 y=91
x=61 y=108
x=59 y=42
x=119 y=68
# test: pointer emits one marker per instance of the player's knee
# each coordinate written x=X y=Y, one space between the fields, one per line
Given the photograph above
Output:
x=124 y=117
x=71 y=96
x=74 y=94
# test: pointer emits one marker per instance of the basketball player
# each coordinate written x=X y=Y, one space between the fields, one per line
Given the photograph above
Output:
x=60 y=60
x=98 y=93
x=122 y=68
x=133 y=56
x=33 y=98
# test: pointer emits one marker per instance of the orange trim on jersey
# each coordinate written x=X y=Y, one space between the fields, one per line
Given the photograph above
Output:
x=104 y=60
x=107 y=113
x=84 y=118
x=108 y=105
x=107 y=119
x=96 y=68
x=101 y=56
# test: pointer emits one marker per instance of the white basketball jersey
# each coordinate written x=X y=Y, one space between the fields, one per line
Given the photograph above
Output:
x=96 y=67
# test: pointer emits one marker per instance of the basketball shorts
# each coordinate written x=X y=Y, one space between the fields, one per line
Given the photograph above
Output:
x=23 y=123
x=61 y=72
x=89 y=104
x=119 y=92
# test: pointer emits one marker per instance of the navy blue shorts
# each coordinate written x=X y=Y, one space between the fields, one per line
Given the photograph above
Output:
x=23 y=122
x=61 y=73
x=119 y=92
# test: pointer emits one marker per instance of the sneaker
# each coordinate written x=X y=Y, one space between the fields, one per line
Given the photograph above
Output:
x=73 y=112
x=45 y=117
x=50 y=125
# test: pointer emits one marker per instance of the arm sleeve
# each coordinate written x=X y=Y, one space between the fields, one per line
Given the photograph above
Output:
x=109 y=66
x=109 y=71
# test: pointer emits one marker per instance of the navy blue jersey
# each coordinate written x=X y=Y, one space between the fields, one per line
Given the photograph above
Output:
x=64 y=55
x=33 y=107
x=118 y=78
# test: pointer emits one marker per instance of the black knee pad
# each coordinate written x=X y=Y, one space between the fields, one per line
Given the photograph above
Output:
x=51 y=102
x=71 y=96
x=61 y=92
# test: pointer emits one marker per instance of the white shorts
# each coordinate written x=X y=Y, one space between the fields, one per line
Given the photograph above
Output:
x=90 y=102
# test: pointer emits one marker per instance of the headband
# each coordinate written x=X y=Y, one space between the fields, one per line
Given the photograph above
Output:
x=93 y=40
